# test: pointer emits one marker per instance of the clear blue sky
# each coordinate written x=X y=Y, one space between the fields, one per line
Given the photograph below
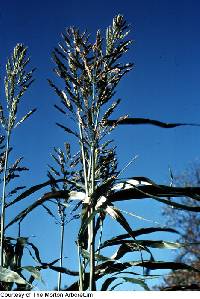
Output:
x=164 y=85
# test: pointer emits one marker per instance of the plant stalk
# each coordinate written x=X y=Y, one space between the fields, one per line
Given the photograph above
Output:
x=83 y=154
x=3 y=201
x=62 y=232
x=80 y=270
x=92 y=285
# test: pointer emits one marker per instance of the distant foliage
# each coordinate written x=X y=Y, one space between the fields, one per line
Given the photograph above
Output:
x=187 y=223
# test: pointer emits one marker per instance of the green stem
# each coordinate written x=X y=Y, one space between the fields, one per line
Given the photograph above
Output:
x=92 y=283
x=95 y=129
x=83 y=154
x=81 y=266
x=3 y=202
x=80 y=270
x=92 y=286
x=62 y=232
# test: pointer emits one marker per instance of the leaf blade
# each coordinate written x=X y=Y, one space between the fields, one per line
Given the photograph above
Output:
x=7 y=275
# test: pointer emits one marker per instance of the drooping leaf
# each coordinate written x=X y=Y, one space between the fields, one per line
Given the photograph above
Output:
x=61 y=270
x=131 y=246
x=164 y=244
x=36 y=188
x=110 y=267
x=138 y=281
x=144 y=121
x=117 y=215
x=36 y=251
x=131 y=182
x=127 y=246
x=156 y=192
x=115 y=286
x=50 y=195
x=98 y=257
x=107 y=283
x=120 y=238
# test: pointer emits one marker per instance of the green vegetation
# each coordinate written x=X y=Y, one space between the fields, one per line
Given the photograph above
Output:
x=87 y=183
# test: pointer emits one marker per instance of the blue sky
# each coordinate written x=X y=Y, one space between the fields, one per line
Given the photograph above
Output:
x=164 y=85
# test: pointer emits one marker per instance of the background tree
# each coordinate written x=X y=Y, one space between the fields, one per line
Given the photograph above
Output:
x=187 y=223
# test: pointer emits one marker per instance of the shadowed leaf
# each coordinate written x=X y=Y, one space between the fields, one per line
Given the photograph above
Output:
x=120 y=238
x=146 y=121
x=107 y=283
x=36 y=188
x=139 y=281
x=50 y=195
x=156 y=192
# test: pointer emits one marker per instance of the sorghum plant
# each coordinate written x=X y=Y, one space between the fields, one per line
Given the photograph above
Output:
x=88 y=184
x=90 y=73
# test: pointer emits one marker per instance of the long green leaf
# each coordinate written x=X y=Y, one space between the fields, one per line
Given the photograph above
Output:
x=115 y=286
x=50 y=265
x=120 y=238
x=156 y=193
x=110 y=267
x=163 y=244
x=36 y=188
x=118 y=216
x=50 y=195
x=36 y=251
x=139 y=281
x=62 y=270
x=127 y=246
x=107 y=283
x=98 y=257
x=147 y=121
